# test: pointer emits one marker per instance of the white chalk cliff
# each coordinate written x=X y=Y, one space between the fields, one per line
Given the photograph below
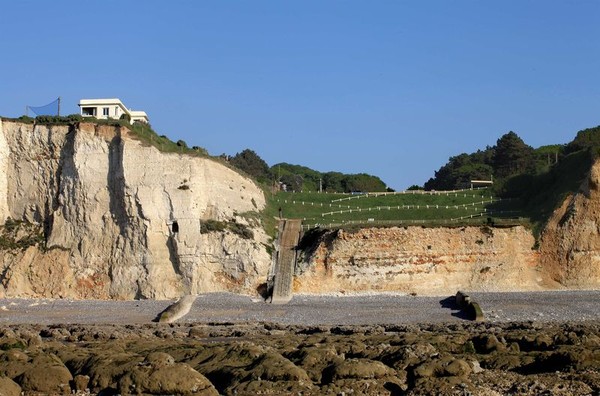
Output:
x=122 y=219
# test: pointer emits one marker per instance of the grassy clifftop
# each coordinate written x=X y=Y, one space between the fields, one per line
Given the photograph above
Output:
x=446 y=208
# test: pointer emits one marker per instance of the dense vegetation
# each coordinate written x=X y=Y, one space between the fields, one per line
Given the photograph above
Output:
x=536 y=180
x=299 y=178
x=510 y=156
x=510 y=161
x=528 y=185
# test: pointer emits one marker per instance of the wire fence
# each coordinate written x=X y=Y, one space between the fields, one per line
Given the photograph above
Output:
x=474 y=219
x=413 y=192
x=472 y=205
x=359 y=208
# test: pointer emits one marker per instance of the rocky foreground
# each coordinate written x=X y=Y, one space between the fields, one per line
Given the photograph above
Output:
x=460 y=358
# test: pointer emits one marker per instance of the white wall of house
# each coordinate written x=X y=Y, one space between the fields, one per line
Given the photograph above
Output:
x=109 y=108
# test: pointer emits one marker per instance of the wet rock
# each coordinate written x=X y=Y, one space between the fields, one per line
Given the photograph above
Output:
x=227 y=367
x=476 y=367
x=9 y=387
x=446 y=366
x=106 y=368
x=356 y=369
x=159 y=374
x=411 y=360
x=488 y=343
x=442 y=386
x=543 y=342
x=315 y=359
x=46 y=374
x=503 y=362
x=260 y=387
x=13 y=363
x=414 y=354
x=196 y=332
x=158 y=359
x=81 y=382
x=371 y=387
x=30 y=338
x=274 y=367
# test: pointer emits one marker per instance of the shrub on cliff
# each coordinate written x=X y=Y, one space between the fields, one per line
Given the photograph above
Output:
x=241 y=230
x=220 y=226
x=212 y=226
x=586 y=138
x=26 y=119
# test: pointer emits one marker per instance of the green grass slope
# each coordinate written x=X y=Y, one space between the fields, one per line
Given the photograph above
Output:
x=387 y=209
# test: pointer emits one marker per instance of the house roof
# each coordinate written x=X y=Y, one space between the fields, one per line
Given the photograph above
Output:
x=96 y=102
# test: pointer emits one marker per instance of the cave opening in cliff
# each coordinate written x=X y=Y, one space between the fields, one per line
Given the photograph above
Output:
x=175 y=227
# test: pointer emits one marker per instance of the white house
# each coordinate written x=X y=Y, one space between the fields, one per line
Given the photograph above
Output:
x=109 y=108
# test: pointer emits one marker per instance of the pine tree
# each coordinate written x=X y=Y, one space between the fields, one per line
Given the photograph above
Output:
x=512 y=156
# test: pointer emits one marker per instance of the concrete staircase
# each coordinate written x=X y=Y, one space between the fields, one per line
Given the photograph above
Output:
x=285 y=264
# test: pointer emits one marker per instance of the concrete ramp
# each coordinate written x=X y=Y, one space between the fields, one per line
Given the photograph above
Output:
x=289 y=235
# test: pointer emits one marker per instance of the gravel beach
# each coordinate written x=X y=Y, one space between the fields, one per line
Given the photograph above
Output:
x=311 y=309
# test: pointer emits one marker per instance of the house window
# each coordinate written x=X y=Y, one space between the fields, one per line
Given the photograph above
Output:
x=105 y=111
x=88 y=111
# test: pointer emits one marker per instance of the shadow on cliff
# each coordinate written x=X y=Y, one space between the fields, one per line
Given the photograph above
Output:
x=116 y=184
x=310 y=241
x=66 y=163
x=450 y=303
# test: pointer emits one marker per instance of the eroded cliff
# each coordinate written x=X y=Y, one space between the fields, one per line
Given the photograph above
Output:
x=570 y=242
x=122 y=219
x=422 y=260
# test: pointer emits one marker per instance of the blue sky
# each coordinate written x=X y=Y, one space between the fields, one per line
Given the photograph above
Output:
x=391 y=88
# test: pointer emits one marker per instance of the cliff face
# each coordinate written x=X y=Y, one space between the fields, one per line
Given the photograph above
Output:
x=122 y=219
x=570 y=243
x=422 y=260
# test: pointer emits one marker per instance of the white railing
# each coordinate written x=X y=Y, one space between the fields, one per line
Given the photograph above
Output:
x=412 y=192
x=371 y=222
x=409 y=207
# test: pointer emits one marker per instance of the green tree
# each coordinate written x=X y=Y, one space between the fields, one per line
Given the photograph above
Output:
x=585 y=138
x=461 y=169
x=363 y=182
x=512 y=156
x=288 y=173
x=333 y=182
x=293 y=182
x=249 y=162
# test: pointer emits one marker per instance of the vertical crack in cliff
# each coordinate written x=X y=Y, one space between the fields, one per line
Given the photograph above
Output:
x=172 y=244
x=174 y=256
x=67 y=152
x=116 y=184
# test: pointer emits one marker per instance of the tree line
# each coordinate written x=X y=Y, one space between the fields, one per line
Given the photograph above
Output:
x=510 y=156
x=302 y=178
x=538 y=180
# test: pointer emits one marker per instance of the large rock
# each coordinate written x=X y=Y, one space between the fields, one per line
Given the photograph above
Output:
x=158 y=374
x=122 y=219
x=9 y=387
x=46 y=374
